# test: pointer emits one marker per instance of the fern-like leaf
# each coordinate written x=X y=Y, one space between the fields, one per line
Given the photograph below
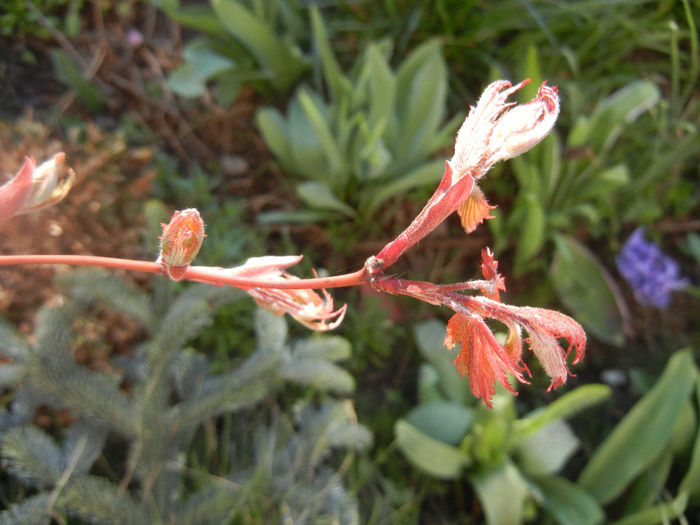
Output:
x=98 y=501
x=32 y=456
x=32 y=511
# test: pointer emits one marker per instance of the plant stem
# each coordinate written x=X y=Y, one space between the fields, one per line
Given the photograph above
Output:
x=210 y=275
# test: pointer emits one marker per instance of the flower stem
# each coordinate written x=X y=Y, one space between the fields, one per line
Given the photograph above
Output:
x=210 y=275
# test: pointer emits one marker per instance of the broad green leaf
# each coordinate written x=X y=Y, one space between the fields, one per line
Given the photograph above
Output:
x=648 y=425
x=69 y=73
x=273 y=53
x=649 y=486
x=587 y=289
x=565 y=407
x=273 y=128
x=425 y=175
x=533 y=72
x=567 y=502
x=691 y=481
x=546 y=451
x=423 y=108
x=318 y=195
x=184 y=81
x=295 y=217
x=445 y=421
x=429 y=338
x=433 y=457
x=338 y=85
x=382 y=86
x=604 y=183
x=317 y=115
x=611 y=116
x=502 y=492
x=659 y=514
x=200 y=18
x=429 y=384
x=531 y=236
x=305 y=146
x=205 y=61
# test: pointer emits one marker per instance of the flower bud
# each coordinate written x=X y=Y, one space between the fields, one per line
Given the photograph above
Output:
x=180 y=243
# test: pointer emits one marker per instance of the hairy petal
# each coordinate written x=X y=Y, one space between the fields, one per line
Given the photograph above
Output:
x=15 y=193
x=480 y=356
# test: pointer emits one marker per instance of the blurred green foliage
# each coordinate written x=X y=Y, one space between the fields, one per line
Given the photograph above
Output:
x=29 y=18
x=370 y=139
x=514 y=461
x=243 y=42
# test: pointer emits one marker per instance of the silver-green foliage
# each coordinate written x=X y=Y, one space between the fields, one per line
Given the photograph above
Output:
x=171 y=394
x=370 y=138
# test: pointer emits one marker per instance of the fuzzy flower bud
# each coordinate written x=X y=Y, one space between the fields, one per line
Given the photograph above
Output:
x=35 y=188
x=498 y=130
x=180 y=243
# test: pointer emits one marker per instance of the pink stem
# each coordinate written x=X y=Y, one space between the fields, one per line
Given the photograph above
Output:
x=212 y=275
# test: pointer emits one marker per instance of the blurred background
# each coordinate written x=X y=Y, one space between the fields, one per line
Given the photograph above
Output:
x=321 y=128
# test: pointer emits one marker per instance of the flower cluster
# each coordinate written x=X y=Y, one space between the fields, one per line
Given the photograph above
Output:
x=651 y=274
x=494 y=130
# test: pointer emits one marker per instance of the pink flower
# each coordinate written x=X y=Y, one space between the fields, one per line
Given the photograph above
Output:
x=35 y=188
x=180 y=243
x=304 y=305
x=481 y=356
x=494 y=130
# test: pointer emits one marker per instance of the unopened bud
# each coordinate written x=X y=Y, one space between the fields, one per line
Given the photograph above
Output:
x=180 y=243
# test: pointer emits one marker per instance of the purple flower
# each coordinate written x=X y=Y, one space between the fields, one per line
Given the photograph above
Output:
x=651 y=274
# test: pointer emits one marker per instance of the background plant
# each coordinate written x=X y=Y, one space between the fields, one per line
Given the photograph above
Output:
x=370 y=139
x=163 y=400
x=242 y=42
x=512 y=462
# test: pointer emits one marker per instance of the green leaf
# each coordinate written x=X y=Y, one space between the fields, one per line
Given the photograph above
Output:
x=424 y=175
x=96 y=500
x=604 y=183
x=200 y=18
x=587 y=289
x=32 y=455
x=691 y=480
x=382 y=89
x=648 y=425
x=270 y=330
x=433 y=457
x=429 y=338
x=649 y=486
x=273 y=128
x=69 y=73
x=567 y=502
x=329 y=347
x=531 y=236
x=421 y=103
x=273 y=53
x=445 y=421
x=502 y=492
x=305 y=146
x=205 y=61
x=338 y=85
x=548 y=450
x=662 y=513
x=317 y=115
x=35 y=510
x=318 y=195
x=610 y=117
x=320 y=375
x=295 y=217
x=568 y=405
